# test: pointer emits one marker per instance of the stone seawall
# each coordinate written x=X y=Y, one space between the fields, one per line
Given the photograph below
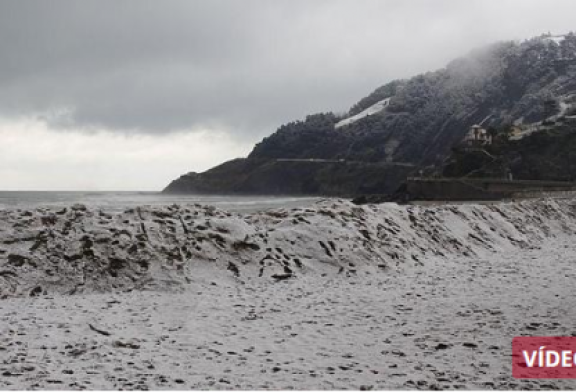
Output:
x=482 y=189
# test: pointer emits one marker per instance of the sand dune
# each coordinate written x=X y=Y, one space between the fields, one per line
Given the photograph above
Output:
x=76 y=249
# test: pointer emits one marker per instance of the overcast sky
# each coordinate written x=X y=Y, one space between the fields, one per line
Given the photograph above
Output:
x=129 y=94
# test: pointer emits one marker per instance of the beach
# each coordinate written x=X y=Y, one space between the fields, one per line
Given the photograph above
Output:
x=331 y=296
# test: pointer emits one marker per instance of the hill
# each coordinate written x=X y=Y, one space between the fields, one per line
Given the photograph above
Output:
x=402 y=127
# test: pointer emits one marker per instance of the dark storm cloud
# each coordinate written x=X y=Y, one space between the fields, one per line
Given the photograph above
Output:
x=242 y=66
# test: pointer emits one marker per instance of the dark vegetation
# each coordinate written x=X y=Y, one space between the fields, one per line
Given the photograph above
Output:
x=546 y=155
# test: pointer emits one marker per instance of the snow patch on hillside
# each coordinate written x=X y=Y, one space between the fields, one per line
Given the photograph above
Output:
x=376 y=108
x=557 y=38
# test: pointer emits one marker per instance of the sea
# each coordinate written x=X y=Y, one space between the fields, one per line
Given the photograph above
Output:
x=120 y=201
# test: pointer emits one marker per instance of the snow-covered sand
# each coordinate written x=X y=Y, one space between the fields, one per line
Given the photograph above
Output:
x=331 y=296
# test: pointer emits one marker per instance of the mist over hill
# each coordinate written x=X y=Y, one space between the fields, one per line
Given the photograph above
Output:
x=402 y=127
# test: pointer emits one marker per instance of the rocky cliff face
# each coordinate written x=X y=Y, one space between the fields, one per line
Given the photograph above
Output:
x=401 y=127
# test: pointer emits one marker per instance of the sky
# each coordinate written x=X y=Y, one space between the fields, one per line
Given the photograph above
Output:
x=130 y=94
